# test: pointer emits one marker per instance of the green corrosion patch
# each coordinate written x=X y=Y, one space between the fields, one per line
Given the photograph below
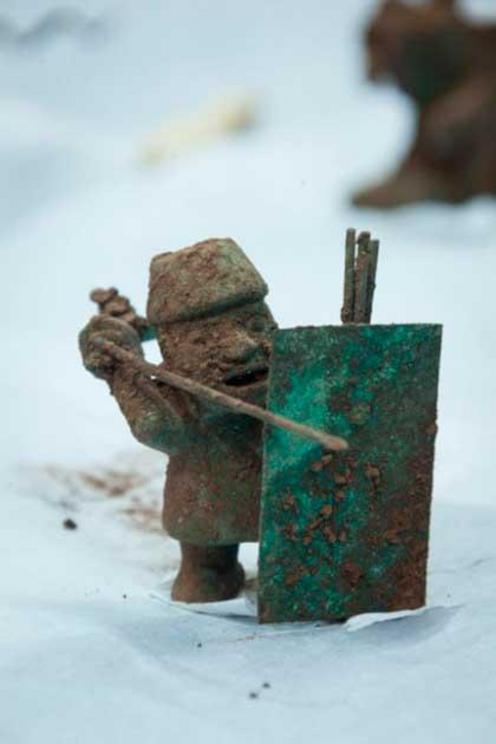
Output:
x=344 y=533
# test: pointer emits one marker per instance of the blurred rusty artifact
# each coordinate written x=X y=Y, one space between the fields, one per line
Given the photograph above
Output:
x=446 y=64
x=342 y=531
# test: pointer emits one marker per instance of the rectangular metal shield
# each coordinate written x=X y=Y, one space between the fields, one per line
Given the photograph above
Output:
x=346 y=533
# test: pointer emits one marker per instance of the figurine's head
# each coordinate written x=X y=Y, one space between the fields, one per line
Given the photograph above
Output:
x=207 y=305
x=422 y=46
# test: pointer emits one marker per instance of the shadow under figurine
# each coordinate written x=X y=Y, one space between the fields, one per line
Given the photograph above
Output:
x=446 y=64
x=206 y=305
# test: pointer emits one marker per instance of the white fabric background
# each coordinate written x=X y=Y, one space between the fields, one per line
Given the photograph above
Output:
x=79 y=663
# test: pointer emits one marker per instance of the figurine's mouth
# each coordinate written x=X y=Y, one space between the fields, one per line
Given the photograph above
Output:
x=246 y=377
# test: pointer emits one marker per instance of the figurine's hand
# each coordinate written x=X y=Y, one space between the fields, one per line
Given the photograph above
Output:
x=97 y=361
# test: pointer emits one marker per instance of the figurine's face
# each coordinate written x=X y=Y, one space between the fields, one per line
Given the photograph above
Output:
x=229 y=351
x=418 y=45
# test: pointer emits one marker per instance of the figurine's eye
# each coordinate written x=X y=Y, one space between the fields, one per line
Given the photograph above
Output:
x=258 y=325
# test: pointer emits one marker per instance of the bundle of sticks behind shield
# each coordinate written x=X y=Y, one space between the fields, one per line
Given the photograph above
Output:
x=361 y=254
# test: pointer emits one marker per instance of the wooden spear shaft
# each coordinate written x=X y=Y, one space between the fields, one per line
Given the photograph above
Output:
x=328 y=441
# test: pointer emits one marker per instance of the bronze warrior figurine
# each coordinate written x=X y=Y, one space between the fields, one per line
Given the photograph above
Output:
x=206 y=304
x=344 y=525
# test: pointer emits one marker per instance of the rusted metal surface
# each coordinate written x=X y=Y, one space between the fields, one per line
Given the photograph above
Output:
x=346 y=533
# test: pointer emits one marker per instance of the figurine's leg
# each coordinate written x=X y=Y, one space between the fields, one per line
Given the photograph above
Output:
x=208 y=574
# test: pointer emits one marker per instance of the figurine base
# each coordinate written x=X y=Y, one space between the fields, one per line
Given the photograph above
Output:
x=208 y=574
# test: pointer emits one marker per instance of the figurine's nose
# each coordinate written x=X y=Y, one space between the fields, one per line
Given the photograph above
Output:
x=240 y=349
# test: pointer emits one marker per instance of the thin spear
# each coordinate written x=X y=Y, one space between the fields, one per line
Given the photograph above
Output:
x=349 y=277
x=374 y=254
x=361 y=278
x=195 y=388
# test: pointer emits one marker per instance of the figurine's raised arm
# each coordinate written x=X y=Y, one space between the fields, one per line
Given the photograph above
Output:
x=155 y=419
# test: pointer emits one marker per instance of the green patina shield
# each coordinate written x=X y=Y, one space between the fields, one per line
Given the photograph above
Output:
x=347 y=533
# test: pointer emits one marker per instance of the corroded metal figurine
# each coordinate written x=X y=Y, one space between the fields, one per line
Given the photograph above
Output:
x=343 y=527
x=206 y=305
x=446 y=64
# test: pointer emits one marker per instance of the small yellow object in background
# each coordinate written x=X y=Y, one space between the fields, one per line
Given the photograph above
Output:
x=228 y=114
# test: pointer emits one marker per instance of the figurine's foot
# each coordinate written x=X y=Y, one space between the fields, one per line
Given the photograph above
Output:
x=208 y=574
